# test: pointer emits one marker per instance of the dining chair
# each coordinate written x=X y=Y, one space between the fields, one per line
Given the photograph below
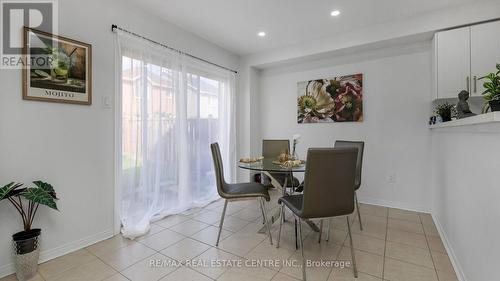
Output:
x=272 y=149
x=327 y=192
x=360 y=145
x=231 y=191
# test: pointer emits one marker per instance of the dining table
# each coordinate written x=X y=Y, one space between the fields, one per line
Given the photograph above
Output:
x=270 y=167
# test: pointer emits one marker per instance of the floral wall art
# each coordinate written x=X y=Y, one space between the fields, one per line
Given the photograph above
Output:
x=338 y=99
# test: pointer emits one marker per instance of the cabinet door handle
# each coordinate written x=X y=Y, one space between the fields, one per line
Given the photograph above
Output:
x=468 y=83
x=475 y=84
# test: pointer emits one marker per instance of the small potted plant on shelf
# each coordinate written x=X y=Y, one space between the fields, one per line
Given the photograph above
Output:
x=492 y=93
x=446 y=111
x=26 y=200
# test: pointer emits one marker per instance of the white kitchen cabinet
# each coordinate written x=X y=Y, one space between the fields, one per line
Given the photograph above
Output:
x=452 y=62
x=462 y=56
x=485 y=53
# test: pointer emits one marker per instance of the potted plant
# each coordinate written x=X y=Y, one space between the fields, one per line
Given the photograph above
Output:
x=446 y=111
x=26 y=200
x=492 y=93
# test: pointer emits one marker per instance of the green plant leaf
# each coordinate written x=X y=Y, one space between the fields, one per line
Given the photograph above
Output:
x=40 y=196
x=46 y=187
x=6 y=190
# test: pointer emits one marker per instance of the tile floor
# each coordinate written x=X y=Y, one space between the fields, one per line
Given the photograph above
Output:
x=395 y=245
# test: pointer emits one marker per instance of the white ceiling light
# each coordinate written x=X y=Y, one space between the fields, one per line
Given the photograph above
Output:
x=335 y=13
x=261 y=34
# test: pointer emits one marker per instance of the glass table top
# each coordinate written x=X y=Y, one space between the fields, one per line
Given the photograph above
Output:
x=267 y=165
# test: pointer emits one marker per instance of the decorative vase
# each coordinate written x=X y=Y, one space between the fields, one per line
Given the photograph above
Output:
x=494 y=105
x=27 y=252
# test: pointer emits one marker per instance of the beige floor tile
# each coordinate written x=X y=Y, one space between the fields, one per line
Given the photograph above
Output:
x=192 y=211
x=447 y=276
x=150 y=269
x=436 y=244
x=207 y=216
x=249 y=214
x=247 y=274
x=172 y=220
x=127 y=256
x=185 y=249
x=373 y=229
x=366 y=262
x=241 y=244
x=407 y=226
x=209 y=235
x=373 y=220
x=264 y=251
x=366 y=243
x=373 y=210
x=189 y=227
x=13 y=277
x=397 y=270
x=92 y=271
x=312 y=272
x=117 y=277
x=209 y=257
x=162 y=239
x=442 y=262
x=283 y=277
x=152 y=231
x=408 y=238
x=347 y=274
x=431 y=230
x=232 y=224
x=426 y=218
x=404 y=215
x=409 y=254
x=185 y=274
x=54 y=267
x=110 y=245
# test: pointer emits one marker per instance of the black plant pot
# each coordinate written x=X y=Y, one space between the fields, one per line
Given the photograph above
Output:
x=495 y=105
x=26 y=241
x=445 y=117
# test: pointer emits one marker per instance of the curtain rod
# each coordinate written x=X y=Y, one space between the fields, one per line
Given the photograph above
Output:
x=114 y=26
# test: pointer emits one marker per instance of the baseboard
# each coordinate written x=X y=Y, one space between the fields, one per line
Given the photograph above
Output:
x=451 y=254
x=394 y=204
x=62 y=250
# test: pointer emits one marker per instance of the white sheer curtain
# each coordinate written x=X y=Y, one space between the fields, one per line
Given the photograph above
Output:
x=172 y=108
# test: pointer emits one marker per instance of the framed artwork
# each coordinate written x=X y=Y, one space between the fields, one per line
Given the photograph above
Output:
x=337 y=99
x=57 y=69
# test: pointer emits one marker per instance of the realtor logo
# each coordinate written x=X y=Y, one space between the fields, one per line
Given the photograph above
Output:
x=15 y=15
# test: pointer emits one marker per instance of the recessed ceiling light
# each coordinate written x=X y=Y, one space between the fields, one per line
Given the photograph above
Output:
x=261 y=34
x=335 y=13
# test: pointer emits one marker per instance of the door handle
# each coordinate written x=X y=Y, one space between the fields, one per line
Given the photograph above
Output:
x=468 y=84
x=475 y=84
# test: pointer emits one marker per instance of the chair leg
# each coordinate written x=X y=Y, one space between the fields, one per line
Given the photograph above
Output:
x=263 y=215
x=357 y=209
x=296 y=240
x=352 y=250
x=328 y=230
x=221 y=223
x=320 y=231
x=262 y=205
x=282 y=210
x=301 y=243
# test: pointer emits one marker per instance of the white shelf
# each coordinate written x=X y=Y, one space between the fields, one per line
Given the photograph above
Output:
x=490 y=117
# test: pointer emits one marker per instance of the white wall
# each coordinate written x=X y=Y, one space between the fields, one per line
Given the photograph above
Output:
x=465 y=196
x=397 y=83
x=72 y=146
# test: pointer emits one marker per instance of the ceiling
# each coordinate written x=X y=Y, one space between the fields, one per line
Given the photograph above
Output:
x=233 y=24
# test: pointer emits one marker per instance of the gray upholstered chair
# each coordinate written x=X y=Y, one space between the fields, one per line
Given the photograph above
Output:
x=272 y=149
x=237 y=191
x=328 y=191
x=359 y=168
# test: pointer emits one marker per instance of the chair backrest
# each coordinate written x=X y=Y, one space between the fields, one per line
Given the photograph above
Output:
x=360 y=145
x=329 y=182
x=273 y=148
x=219 y=169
